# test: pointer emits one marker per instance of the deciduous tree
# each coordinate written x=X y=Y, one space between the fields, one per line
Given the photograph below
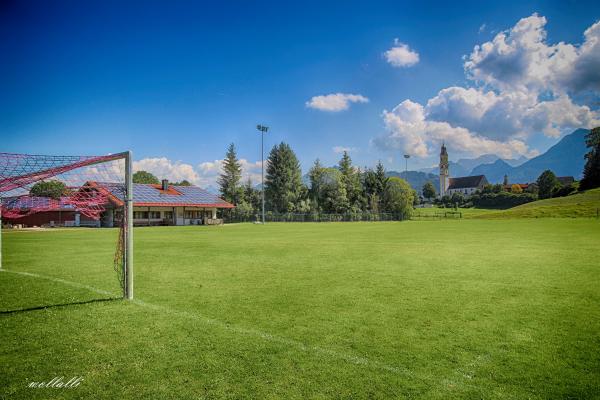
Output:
x=144 y=177
x=547 y=184
x=53 y=189
x=428 y=190
x=516 y=188
x=398 y=197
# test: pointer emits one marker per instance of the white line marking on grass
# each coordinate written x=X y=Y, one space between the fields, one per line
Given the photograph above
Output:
x=357 y=360
x=68 y=283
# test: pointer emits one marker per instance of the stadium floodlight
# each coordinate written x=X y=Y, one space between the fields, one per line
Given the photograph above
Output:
x=263 y=129
x=80 y=190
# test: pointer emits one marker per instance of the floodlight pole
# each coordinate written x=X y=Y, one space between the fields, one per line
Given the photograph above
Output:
x=406 y=157
x=128 y=287
x=263 y=129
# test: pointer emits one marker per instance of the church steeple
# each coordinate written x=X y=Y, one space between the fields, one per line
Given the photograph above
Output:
x=444 y=172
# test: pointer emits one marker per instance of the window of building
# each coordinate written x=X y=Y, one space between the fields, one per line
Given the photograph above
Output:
x=140 y=215
x=192 y=214
x=168 y=214
x=154 y=215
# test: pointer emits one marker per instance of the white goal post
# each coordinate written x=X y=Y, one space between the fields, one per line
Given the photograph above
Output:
x=98 y=189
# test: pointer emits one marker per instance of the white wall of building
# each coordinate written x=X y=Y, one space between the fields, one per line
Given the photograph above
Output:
x=172 y=215
x=464 y=191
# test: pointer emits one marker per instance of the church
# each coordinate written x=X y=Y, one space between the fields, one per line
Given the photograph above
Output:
x=467 y=185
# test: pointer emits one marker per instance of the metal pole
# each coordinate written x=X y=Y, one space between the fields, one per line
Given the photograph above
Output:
x=0 y=232
x=262 y=172
x=128 y=292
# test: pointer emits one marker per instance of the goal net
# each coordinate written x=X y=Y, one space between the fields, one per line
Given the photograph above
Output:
x=41 y=191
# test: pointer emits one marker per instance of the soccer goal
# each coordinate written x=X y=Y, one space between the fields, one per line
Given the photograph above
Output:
x=41 y=191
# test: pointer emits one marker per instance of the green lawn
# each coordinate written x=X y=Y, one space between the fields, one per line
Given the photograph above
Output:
x=586 y=204
x=424 y=309
x=439 y=211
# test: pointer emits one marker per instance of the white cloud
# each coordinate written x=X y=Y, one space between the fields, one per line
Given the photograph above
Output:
x=204 y=174
x=163 y=168
x=210 y=171
x=341 y=149
x=520 y=59
x=410 y=131
x=508 y=113
x=335 y=102
x=522 y=86
x=400 y=55
x=482 y=28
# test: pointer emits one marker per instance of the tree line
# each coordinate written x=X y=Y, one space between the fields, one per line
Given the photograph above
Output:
x=347 y=189
x=343 y=189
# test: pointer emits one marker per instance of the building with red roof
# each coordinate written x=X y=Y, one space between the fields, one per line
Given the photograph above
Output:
x=162 y=204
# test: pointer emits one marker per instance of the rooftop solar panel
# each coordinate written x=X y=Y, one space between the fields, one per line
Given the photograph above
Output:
x=143 y=193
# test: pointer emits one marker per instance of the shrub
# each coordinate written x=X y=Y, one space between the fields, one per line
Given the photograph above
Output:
x=501 y=200
x=563 y=191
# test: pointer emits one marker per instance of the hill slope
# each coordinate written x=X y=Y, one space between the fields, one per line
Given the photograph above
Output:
x=585 y=204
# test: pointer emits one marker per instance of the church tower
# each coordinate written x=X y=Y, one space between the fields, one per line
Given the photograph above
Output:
x=443 y=171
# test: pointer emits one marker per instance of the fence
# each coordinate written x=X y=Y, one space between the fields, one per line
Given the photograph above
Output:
x=416 y=215
x=315 y=217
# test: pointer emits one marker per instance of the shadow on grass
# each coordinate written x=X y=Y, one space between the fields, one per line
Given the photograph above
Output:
x=74 y=303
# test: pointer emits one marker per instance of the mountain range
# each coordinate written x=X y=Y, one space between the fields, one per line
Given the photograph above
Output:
x=565 y=158
x=464 y=166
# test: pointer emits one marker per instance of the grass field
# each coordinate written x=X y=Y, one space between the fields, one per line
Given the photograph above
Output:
x=465 y=212
x=422 y=309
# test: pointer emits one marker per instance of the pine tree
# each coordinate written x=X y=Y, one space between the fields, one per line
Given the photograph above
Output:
x=381 y=178
x=381 y=182
x=591 y=170
x=231 y=175
x=334 y=198
x=283 y=182
x=351 y=182
x=316 y=174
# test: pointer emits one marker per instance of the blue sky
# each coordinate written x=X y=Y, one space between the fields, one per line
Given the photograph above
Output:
x=179 y=81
